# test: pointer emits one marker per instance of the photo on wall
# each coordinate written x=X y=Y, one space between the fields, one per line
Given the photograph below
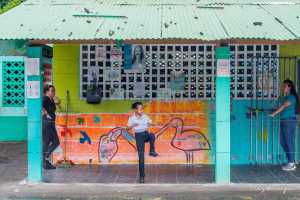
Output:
x=177 y=81
x=100 y=53
x=112 y=74
x=134 y=57
x=93 y=74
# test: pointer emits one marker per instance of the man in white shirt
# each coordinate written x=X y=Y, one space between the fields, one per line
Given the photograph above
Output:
x=139 y=123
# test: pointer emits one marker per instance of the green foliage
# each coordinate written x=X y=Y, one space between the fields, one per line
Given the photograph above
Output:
x=6 y=5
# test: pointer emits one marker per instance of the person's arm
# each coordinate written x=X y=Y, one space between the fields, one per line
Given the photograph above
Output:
x=44 y=110
x=281 y=108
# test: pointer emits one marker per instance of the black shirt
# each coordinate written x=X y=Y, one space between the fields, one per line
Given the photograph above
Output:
x=49 y=106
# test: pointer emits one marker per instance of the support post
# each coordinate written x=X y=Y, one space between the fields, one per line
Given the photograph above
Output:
x=34 y=113
x=222 y=162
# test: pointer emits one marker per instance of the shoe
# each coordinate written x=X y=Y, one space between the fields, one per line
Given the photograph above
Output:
x=142 y=180
x=48 y=165
x=153 y=154
x=289 y=167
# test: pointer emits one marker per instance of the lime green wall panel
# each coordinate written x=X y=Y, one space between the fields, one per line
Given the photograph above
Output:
x=10 y=132
x=288 y=51
x=66 y=77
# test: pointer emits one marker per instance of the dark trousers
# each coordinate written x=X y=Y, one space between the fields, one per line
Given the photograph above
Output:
x=141 y=138
x=288 y=137
x=50 y=138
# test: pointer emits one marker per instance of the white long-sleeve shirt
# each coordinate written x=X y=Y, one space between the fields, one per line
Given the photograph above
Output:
x=142 y=122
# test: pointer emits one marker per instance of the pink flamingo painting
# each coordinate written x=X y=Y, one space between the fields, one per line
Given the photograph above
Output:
x=186 y=140
x=108 y=143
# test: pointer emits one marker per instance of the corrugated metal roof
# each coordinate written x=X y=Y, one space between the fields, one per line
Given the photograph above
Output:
x=152 y=19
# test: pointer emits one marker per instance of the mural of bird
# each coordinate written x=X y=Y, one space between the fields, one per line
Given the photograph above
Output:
x=108 y=143
x=186 y=140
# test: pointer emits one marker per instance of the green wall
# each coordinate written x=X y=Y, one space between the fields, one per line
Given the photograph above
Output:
x=13 y=128
x=289 y=51
x=66 y=77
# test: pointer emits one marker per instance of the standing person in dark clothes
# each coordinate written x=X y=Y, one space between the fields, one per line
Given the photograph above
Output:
x=140 y=123
x=288 y=122
x=50 y=137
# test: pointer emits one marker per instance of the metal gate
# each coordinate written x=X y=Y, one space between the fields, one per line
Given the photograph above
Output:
x=267 y=75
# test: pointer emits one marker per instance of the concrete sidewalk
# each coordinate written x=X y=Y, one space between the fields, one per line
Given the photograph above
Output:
x=149 y=192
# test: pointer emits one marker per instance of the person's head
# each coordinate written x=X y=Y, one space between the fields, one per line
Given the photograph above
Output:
x=138 y=108
x=49 y=90
x=288 y=87
x=138 y=53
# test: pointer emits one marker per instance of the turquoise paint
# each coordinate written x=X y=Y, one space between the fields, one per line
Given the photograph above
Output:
x=34 y=114
x=10 y=132
x=11 y=115
x=222 y=162
x=240 y=135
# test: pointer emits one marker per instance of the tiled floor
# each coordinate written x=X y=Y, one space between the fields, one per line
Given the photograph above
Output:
x=263 y=174
x=169 y=174
x=13 y=167
x=129 y=174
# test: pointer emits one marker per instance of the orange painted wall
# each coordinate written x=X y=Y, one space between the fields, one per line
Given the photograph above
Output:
x=176 y=143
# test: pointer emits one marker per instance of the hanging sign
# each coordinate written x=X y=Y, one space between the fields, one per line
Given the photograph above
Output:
x=33 y=89
x=223 y=67
x=32 y=66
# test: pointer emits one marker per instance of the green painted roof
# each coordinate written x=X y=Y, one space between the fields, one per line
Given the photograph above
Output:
x=152 y=19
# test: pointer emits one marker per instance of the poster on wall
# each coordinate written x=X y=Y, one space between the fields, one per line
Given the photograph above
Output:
x=266 y=82
x=33 y=89
x=177 y=81
x=134 y=57
x=112 y=74
x=164 y=93
x=32 y=66
x=139 y=89
x=93 y=74
x=117 y=93
x=116 y=54
x=100 y=53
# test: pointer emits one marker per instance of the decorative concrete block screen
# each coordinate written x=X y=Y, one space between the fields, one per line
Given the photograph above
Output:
x=177 y=71
x=13 y=82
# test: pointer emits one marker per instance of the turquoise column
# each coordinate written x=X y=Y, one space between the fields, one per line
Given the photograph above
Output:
x=34 y=113
x=222 y=162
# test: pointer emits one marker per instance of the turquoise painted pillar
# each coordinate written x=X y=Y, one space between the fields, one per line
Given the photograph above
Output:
x=34 y=113
x=222 y=162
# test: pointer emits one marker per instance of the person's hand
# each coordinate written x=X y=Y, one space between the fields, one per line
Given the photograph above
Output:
x=272 y=115
x=56 y=100
x=48 y=116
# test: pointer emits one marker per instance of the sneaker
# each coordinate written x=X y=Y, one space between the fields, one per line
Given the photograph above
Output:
x=142 y=180
x=153 y=154
x=48 y=165
x=289 y=167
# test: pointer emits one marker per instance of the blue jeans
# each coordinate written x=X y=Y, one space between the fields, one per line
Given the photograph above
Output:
x=140 y=139
x=288 y=137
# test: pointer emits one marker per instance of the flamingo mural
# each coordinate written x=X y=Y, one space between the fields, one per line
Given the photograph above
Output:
x=108 y=143
x=186 y=140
